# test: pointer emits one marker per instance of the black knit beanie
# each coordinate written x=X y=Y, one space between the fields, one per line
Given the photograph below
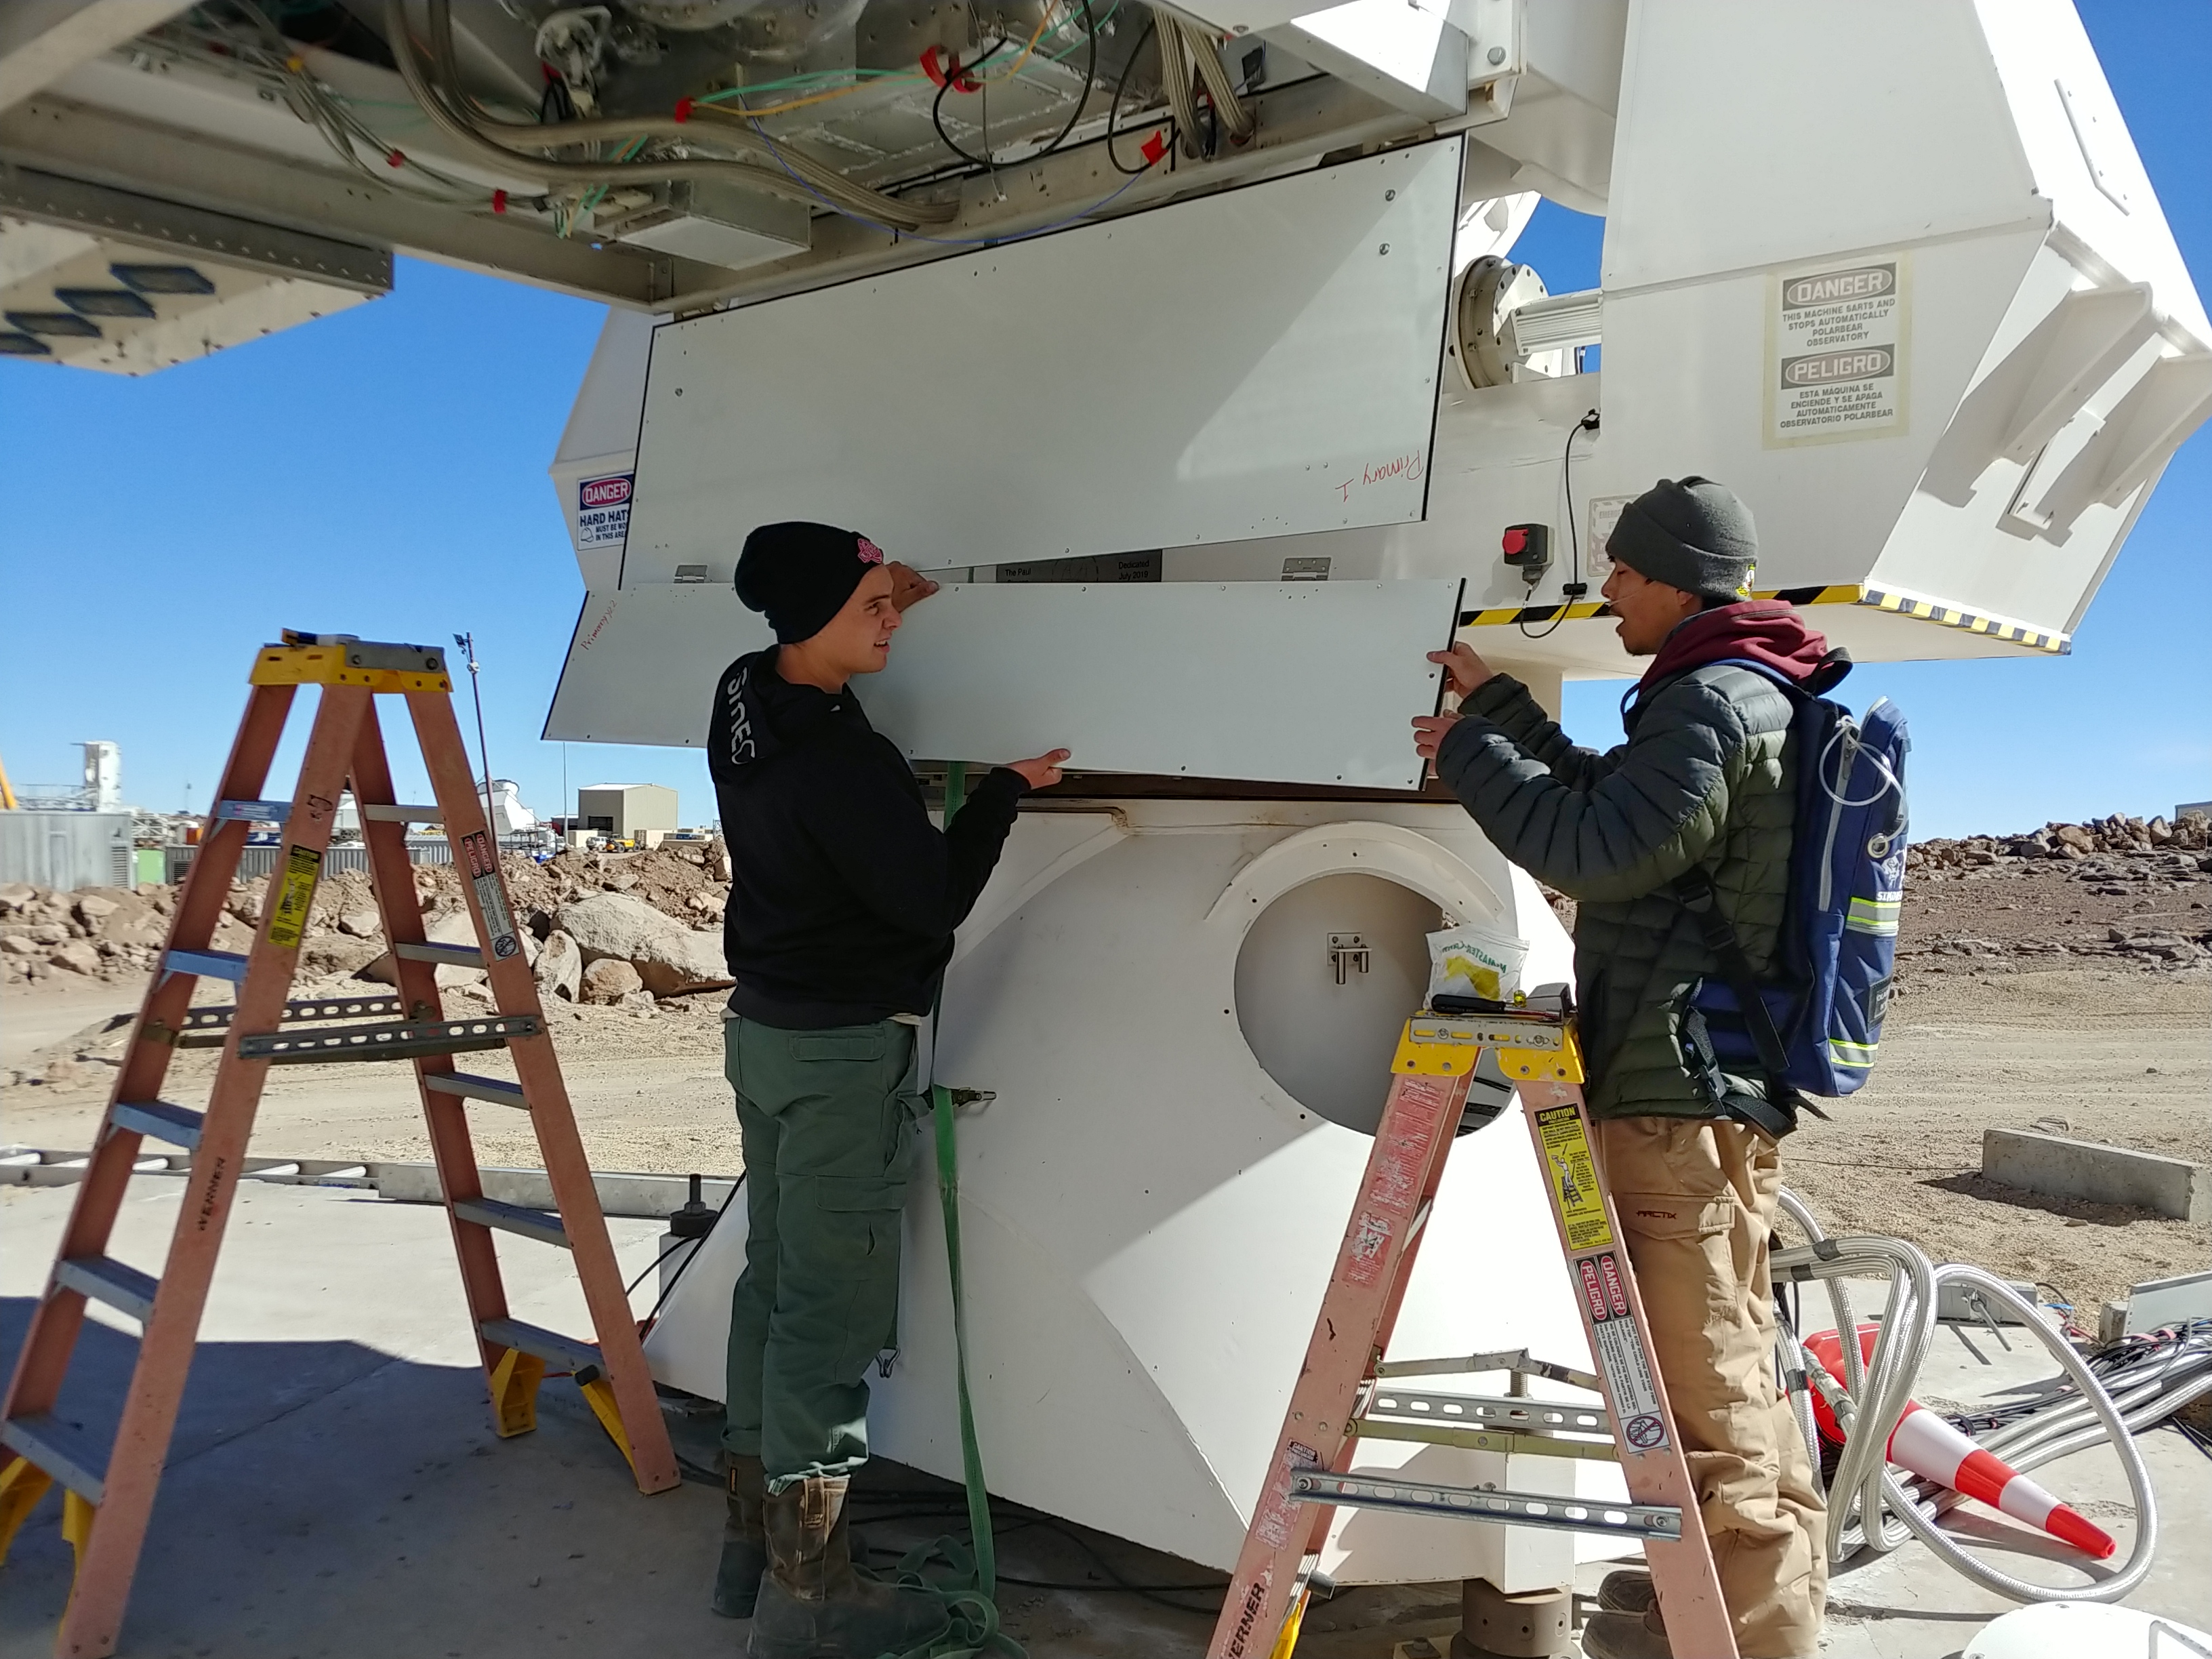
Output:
x=799 y=576
x=1694 y=535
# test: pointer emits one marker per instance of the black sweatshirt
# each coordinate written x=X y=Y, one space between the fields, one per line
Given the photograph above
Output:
x=843 y=895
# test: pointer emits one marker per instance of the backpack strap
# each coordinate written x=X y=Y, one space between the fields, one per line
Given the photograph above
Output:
x=1778 y=1114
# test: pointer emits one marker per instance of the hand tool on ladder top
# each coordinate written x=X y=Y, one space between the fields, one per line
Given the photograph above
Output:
x=1342 y=1395
x=111 y=1481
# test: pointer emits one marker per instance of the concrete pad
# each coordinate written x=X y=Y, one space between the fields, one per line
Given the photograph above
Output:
x=336 y=1489
x=2061 y=1167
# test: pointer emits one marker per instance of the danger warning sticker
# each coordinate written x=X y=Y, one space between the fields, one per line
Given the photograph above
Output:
x=491 y=895
x=603 y=510
x=1573 y=1175
x=1621 y=1355
x=1836 y=352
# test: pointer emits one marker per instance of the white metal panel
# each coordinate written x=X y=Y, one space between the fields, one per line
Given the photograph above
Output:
x=1292 y=682
x=1259 y=362
x=1735 y=152
x=1283 y=682
x=642 y=666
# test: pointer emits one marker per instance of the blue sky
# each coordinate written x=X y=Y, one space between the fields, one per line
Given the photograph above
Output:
x=382 y=472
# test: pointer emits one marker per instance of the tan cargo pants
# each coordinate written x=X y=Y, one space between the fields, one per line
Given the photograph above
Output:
x=1697 y=1199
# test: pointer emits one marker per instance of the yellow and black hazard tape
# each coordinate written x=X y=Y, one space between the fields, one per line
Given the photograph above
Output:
x=1949 y=615
x=1903 y=605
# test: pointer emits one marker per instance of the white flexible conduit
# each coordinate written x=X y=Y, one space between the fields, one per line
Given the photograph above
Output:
x=1206 y=56
x=1868 y=1508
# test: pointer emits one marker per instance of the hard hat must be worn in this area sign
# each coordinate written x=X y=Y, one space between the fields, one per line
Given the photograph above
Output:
x=1837 y=351
x=603 y=511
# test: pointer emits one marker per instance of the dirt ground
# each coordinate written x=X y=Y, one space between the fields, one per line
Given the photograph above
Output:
x=2072 y=994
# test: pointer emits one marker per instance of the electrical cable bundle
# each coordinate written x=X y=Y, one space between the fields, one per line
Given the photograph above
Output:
x=959 y=73
x=520 y=146
x=1869 y=1507
x=253 y=41
x=2149 y=1376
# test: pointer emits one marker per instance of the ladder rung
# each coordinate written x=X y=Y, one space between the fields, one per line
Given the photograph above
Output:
x=203 y=1027
x=72 y=1456
x=469 y=1087
x=178 y=1124
x=395 y=1039
x=1526 y=1442
x=514 y=1218
x=1511 y=1509
x=551 y=1347
x=452 y=955
x=254 y=811
x=207 y=964
x=1491 y=1411
x=403 y=814
x=106 y=1280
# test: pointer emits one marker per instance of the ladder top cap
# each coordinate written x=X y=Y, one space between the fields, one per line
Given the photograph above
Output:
x=339 y=659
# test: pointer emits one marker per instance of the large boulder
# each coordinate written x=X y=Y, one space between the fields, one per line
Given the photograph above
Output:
x=610 y=980
x=669 y=957
x=78 y=957
x=560 y=968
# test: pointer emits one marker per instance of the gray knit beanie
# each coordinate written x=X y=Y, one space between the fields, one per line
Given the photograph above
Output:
x=1694 y=535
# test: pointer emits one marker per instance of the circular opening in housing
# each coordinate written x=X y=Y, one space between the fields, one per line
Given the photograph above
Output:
x=1326 y=979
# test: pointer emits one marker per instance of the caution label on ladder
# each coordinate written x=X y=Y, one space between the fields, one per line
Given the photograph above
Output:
x=296 y=896
x=1620 y=1349
x=1572 y=1172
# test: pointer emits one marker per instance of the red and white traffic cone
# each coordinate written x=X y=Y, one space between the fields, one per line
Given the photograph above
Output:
x=1924 y=1443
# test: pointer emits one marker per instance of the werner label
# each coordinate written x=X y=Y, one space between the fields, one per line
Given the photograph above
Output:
x=1836 y=352
x=603 y=510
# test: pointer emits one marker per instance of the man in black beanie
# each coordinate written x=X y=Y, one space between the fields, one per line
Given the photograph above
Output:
x=1704 y=783
x=843 y=898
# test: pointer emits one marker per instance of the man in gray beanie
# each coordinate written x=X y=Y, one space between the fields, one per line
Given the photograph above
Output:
x=1704 y=783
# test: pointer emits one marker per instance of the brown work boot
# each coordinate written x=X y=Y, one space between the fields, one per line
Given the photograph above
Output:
x=1625 y=1636
x=744 y=1540
x=1628 y=1590
x=812 y=1604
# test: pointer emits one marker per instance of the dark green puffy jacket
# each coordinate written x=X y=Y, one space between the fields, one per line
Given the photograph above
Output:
x=1705 y=778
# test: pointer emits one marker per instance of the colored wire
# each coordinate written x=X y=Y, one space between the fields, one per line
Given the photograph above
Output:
x=1151 y=27
x=510 y=149
x=1588 y=423
x=952 y=77
x=1075 y=218
x=1083 y=101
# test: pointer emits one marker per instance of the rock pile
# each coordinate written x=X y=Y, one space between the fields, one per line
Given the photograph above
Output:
x=656 y=916
x=2074 y=843
x=2127 y=892
x=97 y=933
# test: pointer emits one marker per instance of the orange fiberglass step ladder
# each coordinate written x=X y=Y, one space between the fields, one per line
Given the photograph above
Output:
x=111 y=1477
x=1342 y=1395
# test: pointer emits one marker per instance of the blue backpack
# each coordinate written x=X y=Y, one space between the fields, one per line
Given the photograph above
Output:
x=1812 y=1027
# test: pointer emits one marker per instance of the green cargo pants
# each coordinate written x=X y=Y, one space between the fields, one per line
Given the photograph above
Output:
x=824 y=1116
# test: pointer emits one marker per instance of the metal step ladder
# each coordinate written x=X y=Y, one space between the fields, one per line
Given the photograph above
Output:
x=111 y=1474
x=1346 y=1391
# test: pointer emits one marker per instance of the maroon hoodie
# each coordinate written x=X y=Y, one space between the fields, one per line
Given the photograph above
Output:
x=1754 y=631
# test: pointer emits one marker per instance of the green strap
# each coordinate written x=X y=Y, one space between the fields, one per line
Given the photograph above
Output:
x=971 y=1458
x=966 y=1579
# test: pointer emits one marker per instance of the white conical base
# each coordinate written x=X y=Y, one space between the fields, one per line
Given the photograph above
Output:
x=1149 y=1218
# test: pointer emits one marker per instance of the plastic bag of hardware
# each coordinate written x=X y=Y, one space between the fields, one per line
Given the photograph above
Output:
x=1469 y=961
